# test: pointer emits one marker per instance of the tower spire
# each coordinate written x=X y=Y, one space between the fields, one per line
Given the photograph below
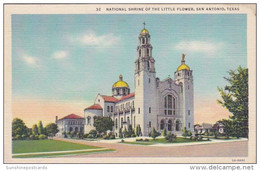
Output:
x=183 y=58
x=144 y=24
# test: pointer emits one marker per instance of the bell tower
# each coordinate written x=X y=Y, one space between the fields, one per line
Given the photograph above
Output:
x=145 y=84
x=184 y=78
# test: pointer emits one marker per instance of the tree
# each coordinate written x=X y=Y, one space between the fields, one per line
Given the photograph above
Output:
x=130 y=130
x=18 y=127
x=185 y=132
x=35 y=129
x=51 y=129
x=138 y=130
x=120 y=133
x=40 y=128
x=235 y=99
x=164 y=132
x=125 y=133
x=102 y=124
x=154 y=133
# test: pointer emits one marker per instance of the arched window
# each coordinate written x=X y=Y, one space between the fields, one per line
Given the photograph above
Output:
x=134 y=121
x=71 y=129
x=178 y=125
x=81 y=129
x=143 y=40
x=121 y=122
x=169 y=105
x=107 y=108
x=89 y=119
x=140 y=52
x=148 y=65
x=138 y=65
x=162 y=124
x=170 y=125
x=76 y=129
x=116 y=123
x=147 y=51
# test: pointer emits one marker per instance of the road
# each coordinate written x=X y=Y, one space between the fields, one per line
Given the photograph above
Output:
x=225 y=149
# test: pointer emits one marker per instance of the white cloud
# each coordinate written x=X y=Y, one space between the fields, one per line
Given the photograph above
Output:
x=199 y=46
x=60 y=54
x=30 y=60
x=92 y=39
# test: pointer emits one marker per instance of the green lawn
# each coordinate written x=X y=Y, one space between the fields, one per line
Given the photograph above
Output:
x=29 y=146
x=178 y=140
x=162 y=140
x=138 y=143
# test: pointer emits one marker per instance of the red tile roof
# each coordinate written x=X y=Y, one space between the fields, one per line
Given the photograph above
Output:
x=113 y=99
x=110 y=99
x=127 y=96
x=95 y=107
x=72 y=116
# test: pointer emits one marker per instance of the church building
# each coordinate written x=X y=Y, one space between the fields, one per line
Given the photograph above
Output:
x=154 y=103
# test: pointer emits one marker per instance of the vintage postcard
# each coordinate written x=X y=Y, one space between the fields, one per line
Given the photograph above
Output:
x=130 y=83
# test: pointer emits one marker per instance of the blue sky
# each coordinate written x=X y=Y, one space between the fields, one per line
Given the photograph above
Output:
x=74 y=57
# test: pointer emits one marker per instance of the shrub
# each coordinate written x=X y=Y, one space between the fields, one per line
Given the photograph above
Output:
x=90 y=136
x=72 y=134
x=36 y=137
x=171 y=137
x=164 y=132
x=42 y=137
x=18 y=137
x=105 y=137
x=189 y=133
x=109 y=136
x=23 y=137
x=133 y=135
x=112 y=137
x=122 y=141
x=85 y=135
x=146 y=140
x=139 y=139
x=154 y=133
x=93 y=133
x=31 y=137
x=210 y=133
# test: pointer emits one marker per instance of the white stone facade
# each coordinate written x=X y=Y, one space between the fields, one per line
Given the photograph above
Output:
x=166 y=104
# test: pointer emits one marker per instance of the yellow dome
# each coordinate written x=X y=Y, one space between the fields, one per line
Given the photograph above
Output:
x=183 y=67
x=144 y=31
x=120 y=83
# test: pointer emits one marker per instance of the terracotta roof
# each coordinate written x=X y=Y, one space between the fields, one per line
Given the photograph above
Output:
x=110 y=99
x=72 y=116
x=95 y=107
x=127 y=96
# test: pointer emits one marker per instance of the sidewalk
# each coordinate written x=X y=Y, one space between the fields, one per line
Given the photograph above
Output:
x=58 y=152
